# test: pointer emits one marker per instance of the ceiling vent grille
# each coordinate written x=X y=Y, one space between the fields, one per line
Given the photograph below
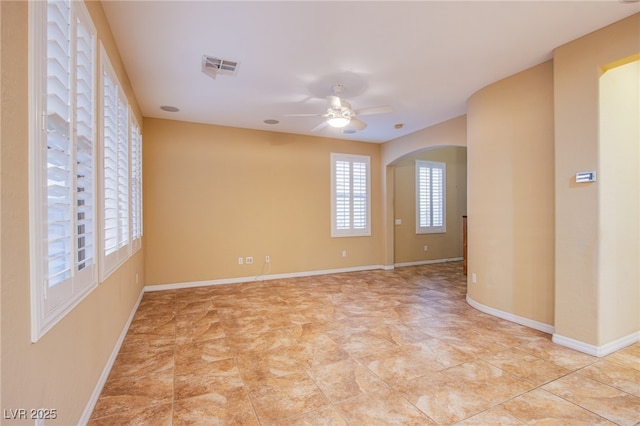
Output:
x=214 y=66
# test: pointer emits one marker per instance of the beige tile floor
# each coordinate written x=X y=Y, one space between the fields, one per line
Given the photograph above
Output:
x=395 y=347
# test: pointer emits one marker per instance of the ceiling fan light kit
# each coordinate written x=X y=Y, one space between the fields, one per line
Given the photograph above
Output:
x=338 y=122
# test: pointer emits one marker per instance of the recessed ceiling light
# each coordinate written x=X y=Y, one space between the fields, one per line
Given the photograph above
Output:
x=271 y=121
x=169 y=108
x=399 y=126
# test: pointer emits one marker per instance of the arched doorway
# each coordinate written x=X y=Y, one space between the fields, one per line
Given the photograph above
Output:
x=415 y=243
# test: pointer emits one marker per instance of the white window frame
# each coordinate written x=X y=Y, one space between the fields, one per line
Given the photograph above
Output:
x=54 y=295
x=427 y=196
x=114 y=255
x=351 y=228
x=136 y=182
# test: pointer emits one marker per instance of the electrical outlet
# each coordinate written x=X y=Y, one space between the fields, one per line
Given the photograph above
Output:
x=426 y=247
x=249 y=260
x=267 y=259
x=240 y=261
x=473 y=277
x=344 y=253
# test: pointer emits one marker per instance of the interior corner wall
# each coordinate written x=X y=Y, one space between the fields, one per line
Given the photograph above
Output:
x=511 y=195
x=62 y=369
x=409 y=246
x=213 y=194
x=578 y=66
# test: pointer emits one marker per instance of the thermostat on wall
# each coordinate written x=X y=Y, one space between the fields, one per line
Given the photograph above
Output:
x=585 y=177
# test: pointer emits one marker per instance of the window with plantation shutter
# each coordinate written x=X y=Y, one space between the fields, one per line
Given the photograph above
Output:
x=430 y=197
x=350 y=200
x=116 y=235
x=62 y=154
x=136 y=184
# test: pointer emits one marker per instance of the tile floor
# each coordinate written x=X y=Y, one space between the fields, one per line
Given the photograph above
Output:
x=369 y=348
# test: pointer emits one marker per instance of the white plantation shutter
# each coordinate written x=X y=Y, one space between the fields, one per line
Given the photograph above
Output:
x=123 y=172
x=110 y=164
x=350 y=201
x=437 y=196
x=62 y=148
x=342 y=208
x=85 y=146
x=59 y=148
x=360 y=195
x=430 y=197
x=116 y=181
x=136 y=183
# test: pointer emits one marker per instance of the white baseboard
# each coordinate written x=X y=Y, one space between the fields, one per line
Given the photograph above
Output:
x=540 y=326
x=594 y=350
x=254 y=278
x=86 y=414
x=268 y=277
x=428 y=262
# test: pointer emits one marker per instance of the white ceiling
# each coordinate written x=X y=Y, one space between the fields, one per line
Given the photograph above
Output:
x=423 y=58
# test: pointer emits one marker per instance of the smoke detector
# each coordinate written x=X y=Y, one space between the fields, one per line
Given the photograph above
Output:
x=213 y=66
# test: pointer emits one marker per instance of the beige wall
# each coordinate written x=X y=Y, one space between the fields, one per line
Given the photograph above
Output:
x=1 y=197
x=409 y=246
x=619 y=203
x=61 y=370
x=213 y=194
x=511 y=197
x=578 y=66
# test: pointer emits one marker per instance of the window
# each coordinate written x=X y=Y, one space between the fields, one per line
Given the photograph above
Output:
x=350 y=199
x=62 y=180
x=115 y=182
x=136 y=183
x=430 y=197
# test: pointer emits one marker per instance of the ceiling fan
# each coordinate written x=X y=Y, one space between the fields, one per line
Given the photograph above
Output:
x=340 y=115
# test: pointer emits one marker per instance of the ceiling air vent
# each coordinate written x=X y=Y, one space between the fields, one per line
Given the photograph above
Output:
x=214 y=66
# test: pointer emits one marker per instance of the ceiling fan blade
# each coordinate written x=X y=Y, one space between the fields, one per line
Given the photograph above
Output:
x=375 y=110
x=357 y=124
x=334 y=102
x=303 y=115
x=320 y=126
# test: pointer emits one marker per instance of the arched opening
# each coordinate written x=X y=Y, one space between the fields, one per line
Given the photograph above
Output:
x=448 y=134
x=415 y=243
